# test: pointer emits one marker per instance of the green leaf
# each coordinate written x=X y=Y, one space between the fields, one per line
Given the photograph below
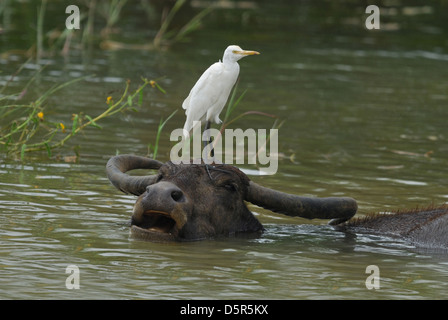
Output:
x=93 y=123
x=48 y=149
x=160 y=88
x=13 y=127
x=22 y=152
x=140 y=98
x=75 y=123
x=8 y=142
x=130 y=101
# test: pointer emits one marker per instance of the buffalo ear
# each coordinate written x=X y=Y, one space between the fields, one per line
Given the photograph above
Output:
x=118 y=166
x=340 y=209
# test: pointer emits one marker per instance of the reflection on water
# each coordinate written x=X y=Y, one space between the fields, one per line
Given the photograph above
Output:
x=365 y=117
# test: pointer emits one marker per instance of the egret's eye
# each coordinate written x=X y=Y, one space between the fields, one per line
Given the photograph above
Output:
x=236 y=51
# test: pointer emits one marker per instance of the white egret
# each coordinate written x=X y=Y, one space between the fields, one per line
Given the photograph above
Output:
x=209 y=95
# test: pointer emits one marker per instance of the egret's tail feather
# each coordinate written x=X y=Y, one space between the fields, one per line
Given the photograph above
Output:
x=186 y=103
x=187 y=128
x=217 y=120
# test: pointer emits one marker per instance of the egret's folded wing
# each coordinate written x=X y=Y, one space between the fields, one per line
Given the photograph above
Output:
x=186 y=102
x=204 y=93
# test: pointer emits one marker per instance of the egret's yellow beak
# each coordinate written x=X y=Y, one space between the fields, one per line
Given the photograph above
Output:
x=246 y=52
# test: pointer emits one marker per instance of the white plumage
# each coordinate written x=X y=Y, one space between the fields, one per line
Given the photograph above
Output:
x=209 y=95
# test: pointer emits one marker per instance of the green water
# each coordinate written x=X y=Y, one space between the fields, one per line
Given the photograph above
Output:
x=365 y=116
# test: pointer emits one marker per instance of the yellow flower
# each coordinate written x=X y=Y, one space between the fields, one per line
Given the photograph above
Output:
x=109 y=99
x=152 y=83
x=61 y=125
x=40 y=115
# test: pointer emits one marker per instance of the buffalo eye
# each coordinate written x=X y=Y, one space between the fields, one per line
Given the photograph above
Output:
x=159 y=177
x=232 y=187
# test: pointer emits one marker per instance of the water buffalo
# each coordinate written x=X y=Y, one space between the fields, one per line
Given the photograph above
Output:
x=198 y=201
x=424 y=228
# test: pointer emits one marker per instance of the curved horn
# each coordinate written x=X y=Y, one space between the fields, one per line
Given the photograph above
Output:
x=118 y=165
x=340 y=209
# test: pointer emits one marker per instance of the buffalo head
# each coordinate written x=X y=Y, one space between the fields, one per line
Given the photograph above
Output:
x=198 y=201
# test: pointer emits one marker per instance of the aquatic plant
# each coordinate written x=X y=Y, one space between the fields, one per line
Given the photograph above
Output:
x=28 y=130
x=155 y=147
x=100 y=24
x=166 y=38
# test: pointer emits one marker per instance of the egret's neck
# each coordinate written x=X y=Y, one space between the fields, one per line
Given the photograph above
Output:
x=228 y=61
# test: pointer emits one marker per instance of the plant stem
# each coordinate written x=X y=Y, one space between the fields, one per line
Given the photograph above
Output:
x=159 y=130
x=109 y=112
x=158 y=38
x=40 y=31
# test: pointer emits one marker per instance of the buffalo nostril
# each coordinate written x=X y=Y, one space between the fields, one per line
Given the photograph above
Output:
x=176 y=195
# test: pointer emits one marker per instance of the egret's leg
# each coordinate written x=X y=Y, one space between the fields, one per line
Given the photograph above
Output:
x=207 y=126
x=209 y=139
x=206 y=143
